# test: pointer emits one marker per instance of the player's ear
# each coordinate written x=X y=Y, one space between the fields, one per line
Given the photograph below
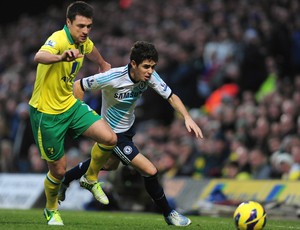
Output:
x=133 y=64
x=68 y=22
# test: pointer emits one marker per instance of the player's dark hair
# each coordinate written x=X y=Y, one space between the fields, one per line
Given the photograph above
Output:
x=142 y=51
x=79 y=8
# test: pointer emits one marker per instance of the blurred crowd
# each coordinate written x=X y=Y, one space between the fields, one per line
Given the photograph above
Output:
x=235 y=64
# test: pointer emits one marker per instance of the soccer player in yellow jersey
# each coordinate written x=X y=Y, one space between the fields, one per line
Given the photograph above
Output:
x=54 y=111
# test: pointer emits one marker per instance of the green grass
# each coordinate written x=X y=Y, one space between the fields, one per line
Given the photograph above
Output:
x=34 y=219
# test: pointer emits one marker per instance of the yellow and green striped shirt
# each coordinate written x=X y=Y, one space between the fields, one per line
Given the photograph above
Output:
x=53 y=89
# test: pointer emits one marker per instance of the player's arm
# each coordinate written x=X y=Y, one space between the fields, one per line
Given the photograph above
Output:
x=179 y=107
x=78 y=90
x=87 y=84
x=45 y=57
x=96 y=57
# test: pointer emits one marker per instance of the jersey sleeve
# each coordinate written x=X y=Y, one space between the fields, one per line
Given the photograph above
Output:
x=90 y=83
x=52 y=44
x=158 y=84
x=96 y=82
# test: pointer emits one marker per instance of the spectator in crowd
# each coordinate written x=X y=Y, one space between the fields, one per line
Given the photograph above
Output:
x=259 y=165
x=37 y=165
x=23 y=139
x=7 y=157
x=294 y=173
x=282 y=163
x=242 y=161
x=212 y=155
x=231 y=170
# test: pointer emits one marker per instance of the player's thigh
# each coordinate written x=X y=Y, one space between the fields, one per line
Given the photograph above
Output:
x=49 y=132
x=101 y=132
x=143 y=165
x=85 y=121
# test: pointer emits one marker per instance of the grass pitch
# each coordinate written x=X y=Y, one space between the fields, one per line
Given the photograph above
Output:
x=90 y=220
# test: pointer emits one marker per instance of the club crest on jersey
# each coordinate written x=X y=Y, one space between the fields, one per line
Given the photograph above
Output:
x=142 y=85
x=50 y=43
x=127 y=149
x=50 y=150
x=164 y=86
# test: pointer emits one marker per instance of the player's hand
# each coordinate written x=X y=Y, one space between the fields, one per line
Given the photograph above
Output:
x=104 y=67
x=192 y=126
x=71 y=55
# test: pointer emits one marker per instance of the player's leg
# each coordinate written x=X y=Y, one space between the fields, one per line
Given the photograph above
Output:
x=152 y=185
x=101 y=151
x=129 y=154
x=89 y=180
x=98 y=130
x=99 y=155
x=79 y=170
x=50 y=143
x=88 y=123
x=76 y=172
x=156 y=191
x=72 y=174
x=52 y=184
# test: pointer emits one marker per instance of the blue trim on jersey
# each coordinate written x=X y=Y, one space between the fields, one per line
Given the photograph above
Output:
x=120 y=94
x=111 y=76
x=116 y=113
x=114 y=117
x=155 y=74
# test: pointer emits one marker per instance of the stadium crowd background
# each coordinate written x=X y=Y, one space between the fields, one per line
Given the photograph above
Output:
x=235 y=64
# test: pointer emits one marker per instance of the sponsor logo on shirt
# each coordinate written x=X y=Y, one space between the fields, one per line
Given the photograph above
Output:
x=127 y=95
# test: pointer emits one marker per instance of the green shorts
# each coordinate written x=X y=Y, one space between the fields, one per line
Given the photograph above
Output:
x=49 y=130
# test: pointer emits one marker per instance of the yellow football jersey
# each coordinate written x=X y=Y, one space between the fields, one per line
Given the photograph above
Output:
x=53 y=88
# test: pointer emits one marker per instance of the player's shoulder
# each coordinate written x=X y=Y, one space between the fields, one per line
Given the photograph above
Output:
x=58 y=34
x=117 y=71
x=120 y=69
x=56 y=37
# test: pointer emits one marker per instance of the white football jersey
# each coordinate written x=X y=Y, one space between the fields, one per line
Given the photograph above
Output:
x=120 y=94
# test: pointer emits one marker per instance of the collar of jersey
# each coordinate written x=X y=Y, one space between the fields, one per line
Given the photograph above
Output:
x=68 y=35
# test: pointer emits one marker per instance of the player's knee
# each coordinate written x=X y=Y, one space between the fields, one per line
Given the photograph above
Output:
x=149 y=172
x=153 y=172
x=111 y=140
x=58 y=168
x=59 y=173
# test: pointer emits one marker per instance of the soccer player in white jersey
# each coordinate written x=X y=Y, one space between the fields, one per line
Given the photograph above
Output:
x=121 y=88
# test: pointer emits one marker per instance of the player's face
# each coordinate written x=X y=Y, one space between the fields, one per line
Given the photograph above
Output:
x=80 y=28
x=143 y=71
